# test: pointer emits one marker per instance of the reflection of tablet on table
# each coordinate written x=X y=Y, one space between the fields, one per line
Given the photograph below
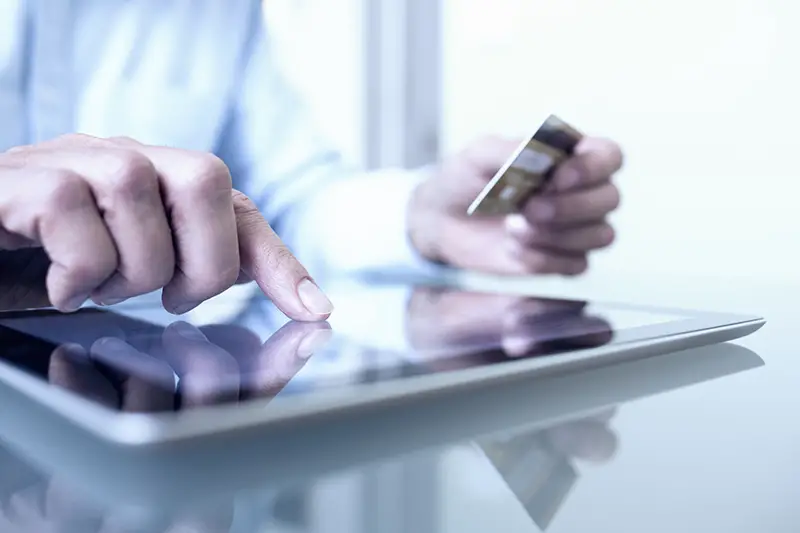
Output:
x=343 y=379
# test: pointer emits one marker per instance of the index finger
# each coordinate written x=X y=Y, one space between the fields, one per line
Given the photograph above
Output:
x=267 y=261
x=282 y=356
x=595 y=160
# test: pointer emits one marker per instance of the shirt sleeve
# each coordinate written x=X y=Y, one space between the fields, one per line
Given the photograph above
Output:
x=332 y=218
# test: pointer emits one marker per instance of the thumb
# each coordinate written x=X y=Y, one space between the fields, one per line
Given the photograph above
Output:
x=489 y=153
x=266 y=260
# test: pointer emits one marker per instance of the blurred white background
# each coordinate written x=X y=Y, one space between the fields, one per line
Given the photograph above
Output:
x=321 y=46
x=701 y=94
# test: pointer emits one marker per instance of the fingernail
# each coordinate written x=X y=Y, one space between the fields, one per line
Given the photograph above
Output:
x=313 y=298
x=313 y=342
x=517 y=346
x=183 y=308
x=517 y=225
x=75 y=303
x=188 y=332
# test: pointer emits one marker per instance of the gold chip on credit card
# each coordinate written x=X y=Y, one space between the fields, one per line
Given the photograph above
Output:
x=528 y=170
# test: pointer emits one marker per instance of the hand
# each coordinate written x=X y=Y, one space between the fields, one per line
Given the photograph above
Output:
x=113 y=219
x=214 y=364
x=441 y=319
x=554 y=232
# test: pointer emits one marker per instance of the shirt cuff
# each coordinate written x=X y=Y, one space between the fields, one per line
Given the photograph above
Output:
x=359 y=224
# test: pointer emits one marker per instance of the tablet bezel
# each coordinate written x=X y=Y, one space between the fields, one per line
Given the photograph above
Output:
x=147 y=429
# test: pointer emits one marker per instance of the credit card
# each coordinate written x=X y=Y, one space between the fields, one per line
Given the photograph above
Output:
x=529 y=169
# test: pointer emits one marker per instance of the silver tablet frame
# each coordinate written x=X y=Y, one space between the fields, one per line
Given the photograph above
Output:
x=142 y=430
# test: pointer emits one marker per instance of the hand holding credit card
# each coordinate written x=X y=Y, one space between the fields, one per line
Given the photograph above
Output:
x=536 y=205
x=529 y=169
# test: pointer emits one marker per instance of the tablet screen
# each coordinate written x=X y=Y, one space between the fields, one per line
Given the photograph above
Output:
x=129 y=363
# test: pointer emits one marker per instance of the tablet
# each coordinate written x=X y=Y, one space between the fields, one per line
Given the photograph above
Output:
x=157 y=478
x=139 y=382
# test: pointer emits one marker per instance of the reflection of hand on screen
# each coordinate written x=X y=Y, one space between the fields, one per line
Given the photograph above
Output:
x=186 y=365
x=441 y=319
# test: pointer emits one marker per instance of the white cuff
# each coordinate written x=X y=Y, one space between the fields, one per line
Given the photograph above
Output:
x=358 y=223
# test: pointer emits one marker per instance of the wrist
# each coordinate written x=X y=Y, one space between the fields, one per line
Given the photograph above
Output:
x=423 y=225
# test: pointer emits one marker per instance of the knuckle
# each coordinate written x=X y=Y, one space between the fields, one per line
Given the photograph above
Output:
x=75 y=137
x=206 y=174
x=19 y=149
x=129 y=173
x=78 y=139
x=124 y=140
x=62 y=190
x=242 y=204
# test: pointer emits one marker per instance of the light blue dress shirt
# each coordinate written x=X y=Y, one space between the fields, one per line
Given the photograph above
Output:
x=198 y=74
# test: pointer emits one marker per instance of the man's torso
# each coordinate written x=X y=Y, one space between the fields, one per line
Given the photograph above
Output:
x=160 y=71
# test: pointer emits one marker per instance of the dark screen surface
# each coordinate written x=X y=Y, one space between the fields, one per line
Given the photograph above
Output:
x=128 y=363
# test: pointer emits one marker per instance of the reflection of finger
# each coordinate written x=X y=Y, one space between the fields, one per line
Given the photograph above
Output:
x=242 y=343
x=311 y=343
x=208 y=374
x=148 y=384
x=576 y=329
x=533 y=307
x=519 y=346
x=72 y=369
x=449 y=318
x=587 y=440
x=284 y=354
